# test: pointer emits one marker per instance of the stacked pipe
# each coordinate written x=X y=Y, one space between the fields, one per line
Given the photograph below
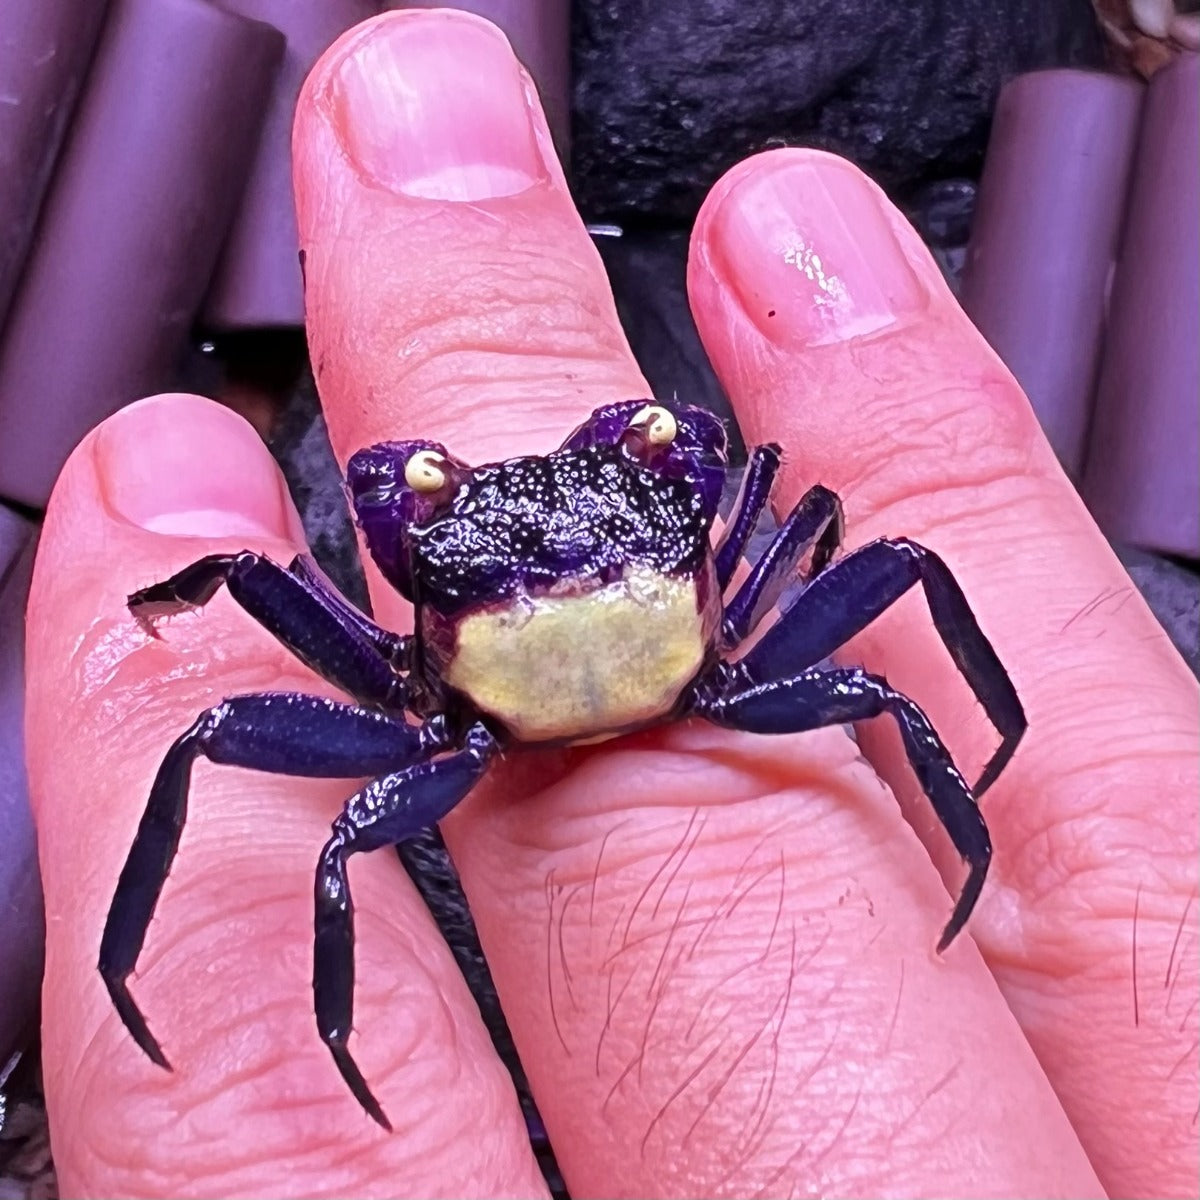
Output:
x=1082 y=273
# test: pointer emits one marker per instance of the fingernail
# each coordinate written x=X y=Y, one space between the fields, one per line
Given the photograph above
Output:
x=435 y=105
x=807 y=249
x=187 y=466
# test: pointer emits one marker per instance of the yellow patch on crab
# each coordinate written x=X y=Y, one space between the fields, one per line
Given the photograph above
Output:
x=575 y=665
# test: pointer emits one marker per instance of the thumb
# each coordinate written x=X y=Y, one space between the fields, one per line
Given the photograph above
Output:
x=254 y=1105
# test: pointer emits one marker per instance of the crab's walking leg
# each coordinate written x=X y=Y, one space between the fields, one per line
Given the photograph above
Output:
x=281 y=732
x=394 y=647
x=757 y=482
x=386 y=811
x=313 y=626
x=815 y=523
x=847 y=597
x=818 y=698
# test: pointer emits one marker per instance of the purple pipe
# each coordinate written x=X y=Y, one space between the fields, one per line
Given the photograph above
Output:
x=142 y=199
x=21 y=923
x=45 y=49
x=258 y=282
x=1142 y=481
x=1045 y=236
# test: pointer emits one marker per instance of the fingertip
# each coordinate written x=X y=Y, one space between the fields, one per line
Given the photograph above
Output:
x=804 y=250
x=831 y=325
x=183 y=465
x=138 y=497
x=422 y=104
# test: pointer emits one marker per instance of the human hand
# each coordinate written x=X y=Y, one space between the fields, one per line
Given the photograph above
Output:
x=714 y=950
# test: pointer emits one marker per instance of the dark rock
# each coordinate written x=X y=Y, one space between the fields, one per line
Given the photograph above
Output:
x=648 y=274
x=300 y=443
x=941 y=212
x=1173 y=593
x=668 y=95
x=22 y=925
x=26 y=1170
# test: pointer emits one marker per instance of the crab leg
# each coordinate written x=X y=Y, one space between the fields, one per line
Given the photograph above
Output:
x=282 y=732
x=392 y=646
x=816 y=521
x=816 y=699
x=757 y=482
x=843 y=600
x=386 y=811
x=298 y=609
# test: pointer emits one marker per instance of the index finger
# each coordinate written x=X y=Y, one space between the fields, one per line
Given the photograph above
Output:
x=833 y=332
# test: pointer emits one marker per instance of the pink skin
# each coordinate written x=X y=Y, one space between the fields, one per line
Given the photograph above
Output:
x=715 y=950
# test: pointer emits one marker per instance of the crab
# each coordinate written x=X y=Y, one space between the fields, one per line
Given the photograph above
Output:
x=558 y=599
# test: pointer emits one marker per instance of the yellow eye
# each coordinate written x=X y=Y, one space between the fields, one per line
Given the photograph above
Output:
x=424 y=472
x=659 y=424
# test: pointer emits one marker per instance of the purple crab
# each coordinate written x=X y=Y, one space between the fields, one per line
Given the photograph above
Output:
x=559 y=599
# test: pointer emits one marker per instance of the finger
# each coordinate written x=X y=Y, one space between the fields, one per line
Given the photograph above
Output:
x=408 y=240
x=698 y=1011
x=833 y=332
x=225 y=979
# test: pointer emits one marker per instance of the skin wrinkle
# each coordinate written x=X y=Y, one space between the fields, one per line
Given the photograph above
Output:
x=1044 y=862
x=552 y=339
x=540 y=369
x=905 y=504
x=258 y=1174
x=733 y=768
x=407 y=1053
x=613 y=858
x=656 y=1040
x=184 y=950
x=540 y=316
x=1090 y=655
x=892 y=467
x=781 y=811
x=1085 y=847
x=975 y=444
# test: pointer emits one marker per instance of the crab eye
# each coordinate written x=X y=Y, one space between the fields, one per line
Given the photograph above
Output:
x=658 y=424
x=425 y=472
